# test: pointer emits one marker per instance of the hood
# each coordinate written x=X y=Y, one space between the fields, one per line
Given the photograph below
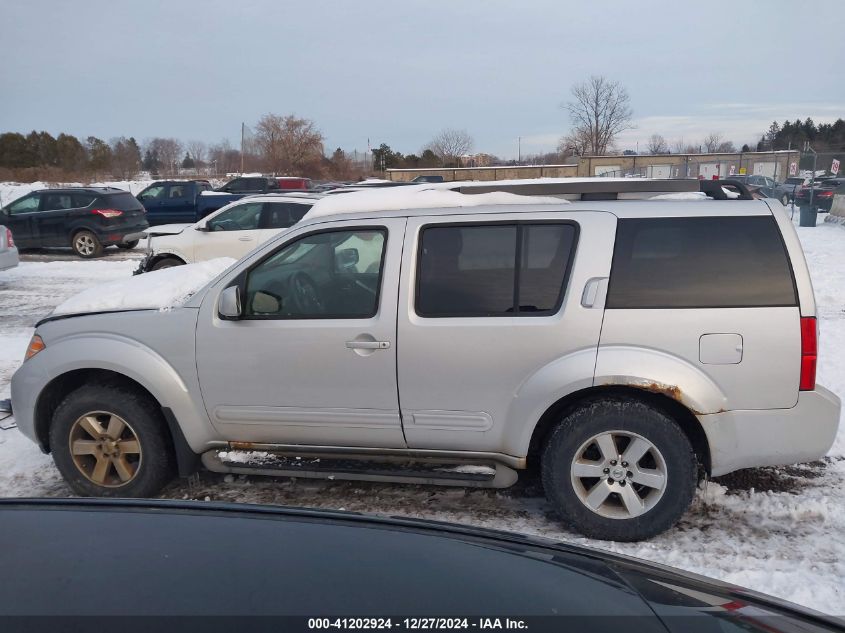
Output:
x=157 y=290
x=166 y=229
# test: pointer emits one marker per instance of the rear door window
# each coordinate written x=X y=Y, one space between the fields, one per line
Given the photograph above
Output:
x=56 y=201
x=719 y=262
x=280 y=215
x=177 y=192
x=494 y=269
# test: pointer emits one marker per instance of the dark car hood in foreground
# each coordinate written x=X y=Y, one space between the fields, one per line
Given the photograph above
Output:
x=101 y=557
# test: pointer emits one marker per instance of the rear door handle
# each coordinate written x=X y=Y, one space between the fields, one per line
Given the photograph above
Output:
x=245 y=239
x=368 y=344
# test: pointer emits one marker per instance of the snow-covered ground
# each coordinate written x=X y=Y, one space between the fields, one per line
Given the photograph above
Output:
x=777 y=530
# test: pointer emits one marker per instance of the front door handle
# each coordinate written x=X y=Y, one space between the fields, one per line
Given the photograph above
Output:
x=368 y=344
x=245 y=239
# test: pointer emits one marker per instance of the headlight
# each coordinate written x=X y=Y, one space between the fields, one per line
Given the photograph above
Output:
x=36 y=344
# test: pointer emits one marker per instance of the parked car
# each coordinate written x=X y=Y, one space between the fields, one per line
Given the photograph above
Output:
x=251 y=184
x=8 y=250
x=87 y=219
x=785 y=191
x=294 y=182
x=823 y=192
x=420 y=179
x=763 y=184
x=585 y=339
x=168 y=201
x=417 y=574
x=232 y=231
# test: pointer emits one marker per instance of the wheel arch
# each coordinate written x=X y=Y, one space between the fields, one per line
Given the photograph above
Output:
x=684 y=417
x=59 y=387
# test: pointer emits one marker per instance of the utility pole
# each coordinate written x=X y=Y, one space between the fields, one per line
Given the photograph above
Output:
x=807 y=148
x=518 y=150
x=242 y=147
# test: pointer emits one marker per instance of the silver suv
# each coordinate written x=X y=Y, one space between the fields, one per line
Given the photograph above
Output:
x=626 y=348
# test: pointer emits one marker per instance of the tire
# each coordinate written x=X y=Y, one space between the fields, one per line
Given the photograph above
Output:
x=568 y=484
x=167 y=262
x=86 y=245
x=127 y=472
x=129 y=245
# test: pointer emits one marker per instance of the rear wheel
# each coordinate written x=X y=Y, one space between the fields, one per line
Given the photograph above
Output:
x=107 y=441
x=167 y=262
x=129 y=245
x=620 y=470
x=86 y=245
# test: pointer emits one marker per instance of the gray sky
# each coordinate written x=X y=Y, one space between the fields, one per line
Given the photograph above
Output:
x=398 y=72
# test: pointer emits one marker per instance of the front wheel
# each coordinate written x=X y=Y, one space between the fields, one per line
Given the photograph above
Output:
x=167 y=262
x=619 y=470
x=86 y=244
x=107 y=441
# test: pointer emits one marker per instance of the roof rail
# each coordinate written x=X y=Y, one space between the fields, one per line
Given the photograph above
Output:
x=588 y=189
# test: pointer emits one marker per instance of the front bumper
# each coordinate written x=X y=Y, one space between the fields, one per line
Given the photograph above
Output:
x=773 y=437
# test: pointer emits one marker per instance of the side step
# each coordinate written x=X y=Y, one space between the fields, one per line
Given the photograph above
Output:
x=441 y=472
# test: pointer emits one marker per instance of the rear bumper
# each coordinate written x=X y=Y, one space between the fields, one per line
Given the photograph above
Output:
x=119 y=234
x=8 y=258
x=773 y=437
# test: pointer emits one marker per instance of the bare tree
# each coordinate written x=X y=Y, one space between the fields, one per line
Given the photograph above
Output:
x=168 y=151
x=576 y=143
x=600 y=111
x=289 y=145
x=657 y=144
x=726 y=147
x=680 y=146
x=224 y=158
x=450 y=144
x=198 y=151
x=125 y=158
x=712 y=142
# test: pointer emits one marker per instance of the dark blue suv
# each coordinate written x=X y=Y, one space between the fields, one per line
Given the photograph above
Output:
x=85 y=218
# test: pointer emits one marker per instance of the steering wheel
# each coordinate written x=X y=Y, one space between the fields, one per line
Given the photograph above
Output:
x=305 y=295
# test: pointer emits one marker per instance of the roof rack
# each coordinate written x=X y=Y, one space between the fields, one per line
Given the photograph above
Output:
x=609 y=188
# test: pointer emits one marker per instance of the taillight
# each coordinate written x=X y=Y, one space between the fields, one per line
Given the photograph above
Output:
x=108 y=213
x=10 y=242
x=809 y=354
x=825 y=194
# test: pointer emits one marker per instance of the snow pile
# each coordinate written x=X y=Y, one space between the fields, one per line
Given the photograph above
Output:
x=417 y=197
x=160 y=289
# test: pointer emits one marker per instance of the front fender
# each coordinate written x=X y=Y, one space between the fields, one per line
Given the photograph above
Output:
x=125 y=356
x=659 y=372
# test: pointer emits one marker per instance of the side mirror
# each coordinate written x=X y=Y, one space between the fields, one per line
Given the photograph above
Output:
x=346 y=258
x=202 y=226
x=229 y=303
x=266 y=303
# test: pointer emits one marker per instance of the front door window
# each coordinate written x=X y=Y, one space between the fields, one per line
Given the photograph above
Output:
x=333 y=274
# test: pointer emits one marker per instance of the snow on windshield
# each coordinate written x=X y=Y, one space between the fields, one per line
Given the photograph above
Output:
x=159 y=289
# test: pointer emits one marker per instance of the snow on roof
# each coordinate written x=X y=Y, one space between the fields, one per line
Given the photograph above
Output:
x=417 y=197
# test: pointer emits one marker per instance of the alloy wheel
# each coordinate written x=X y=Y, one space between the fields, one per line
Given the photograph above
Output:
x=85 y=245
x=105 y=449
x=618 y=474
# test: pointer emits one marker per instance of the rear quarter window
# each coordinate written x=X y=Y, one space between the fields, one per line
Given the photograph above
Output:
x=718 y=262
x=123 y=202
